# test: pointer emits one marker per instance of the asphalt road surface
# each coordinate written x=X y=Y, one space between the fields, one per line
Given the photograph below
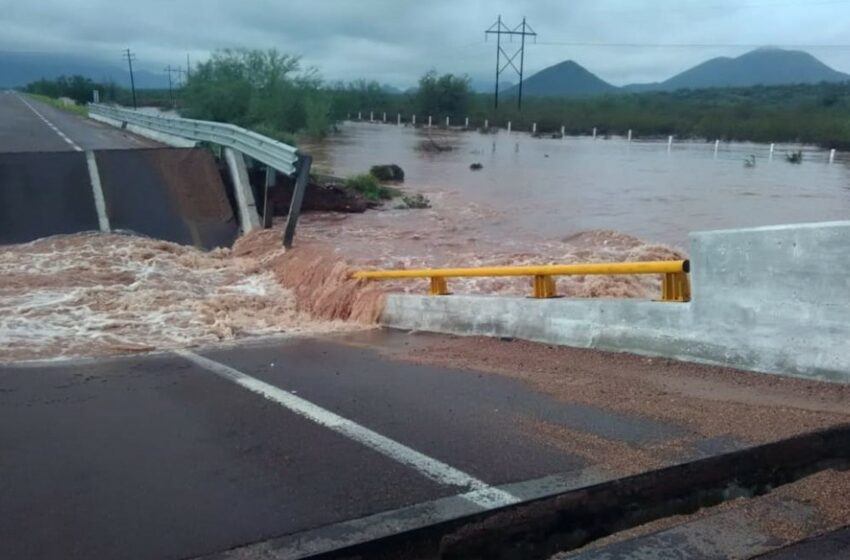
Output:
x=28 y=125
x=306 y=443
x=184 y=455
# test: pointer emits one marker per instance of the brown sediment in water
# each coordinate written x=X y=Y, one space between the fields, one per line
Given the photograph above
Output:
x=320 y=279
x=95 y=294
x=452 y=235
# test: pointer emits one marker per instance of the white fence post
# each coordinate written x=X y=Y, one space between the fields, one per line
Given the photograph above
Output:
x=832 y=155
x=716 y=147
x=385 y=117
x=466 y=123
x=594 y=133
x=669 y=143
x=447 y=122
x=371 y=116
x=413 y=122
x=630 y=135
x=563 y=130
x=486 y=124
x=398 y=119
x=534 y=128
x=429 y=121
x=772 y=146
x=359 y=116
x=509 y=126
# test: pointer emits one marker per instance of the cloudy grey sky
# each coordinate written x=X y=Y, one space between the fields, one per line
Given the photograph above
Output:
x=395 y=41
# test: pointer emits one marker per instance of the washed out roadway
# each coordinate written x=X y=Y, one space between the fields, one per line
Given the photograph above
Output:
x=171 y=456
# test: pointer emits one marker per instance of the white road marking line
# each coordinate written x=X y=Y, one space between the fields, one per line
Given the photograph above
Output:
x=479 y=492
x=50 y=124
x=97 y=191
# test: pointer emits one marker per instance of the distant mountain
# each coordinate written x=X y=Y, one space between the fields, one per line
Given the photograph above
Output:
x=566 y=78
x=765 y=66
x=20 y=68
x=486 y=85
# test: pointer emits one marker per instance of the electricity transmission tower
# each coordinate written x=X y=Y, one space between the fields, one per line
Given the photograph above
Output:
x=130 y=58
x=498 y=29
x=172 y=70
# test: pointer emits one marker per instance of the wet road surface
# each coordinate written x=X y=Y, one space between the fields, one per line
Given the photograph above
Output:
x=310 y=442
x=160 y=457
x=28 y=125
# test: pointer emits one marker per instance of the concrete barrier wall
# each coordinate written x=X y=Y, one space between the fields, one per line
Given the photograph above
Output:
x=774 y=299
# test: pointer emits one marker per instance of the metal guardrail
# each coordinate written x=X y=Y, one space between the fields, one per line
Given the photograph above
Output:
x=280 y=156
x=675 y=285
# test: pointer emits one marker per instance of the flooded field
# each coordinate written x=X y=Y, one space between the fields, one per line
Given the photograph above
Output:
x=532 y=188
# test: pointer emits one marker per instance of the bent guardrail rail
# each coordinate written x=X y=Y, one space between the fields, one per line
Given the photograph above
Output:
x=275 y=154
x=675 y=285
x=269 y=151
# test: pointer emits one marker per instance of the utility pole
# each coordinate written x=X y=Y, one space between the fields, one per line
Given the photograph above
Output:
x=130 y=58
x=498 y=29
x=168 y=70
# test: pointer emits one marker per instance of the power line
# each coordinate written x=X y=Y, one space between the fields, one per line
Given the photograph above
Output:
x=498 y=29
x=685 y=45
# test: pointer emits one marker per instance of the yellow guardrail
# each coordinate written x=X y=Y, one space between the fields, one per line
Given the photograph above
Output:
x=674 y=284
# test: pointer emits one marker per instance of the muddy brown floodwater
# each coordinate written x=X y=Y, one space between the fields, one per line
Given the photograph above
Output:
x=535 y=201
x=96 y=294
x=555 y=188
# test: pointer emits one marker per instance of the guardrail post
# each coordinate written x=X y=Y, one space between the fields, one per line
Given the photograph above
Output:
x=268 y=211
x=544 y=286
x=675 y=286
x=248 y=216
x=305 y=161
x=438 y=286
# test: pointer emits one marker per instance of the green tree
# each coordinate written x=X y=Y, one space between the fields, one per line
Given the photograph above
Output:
x=446 y=95
x=260 y=89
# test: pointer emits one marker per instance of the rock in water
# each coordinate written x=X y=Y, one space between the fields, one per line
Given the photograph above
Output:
x=390 y=172
x=476 y=166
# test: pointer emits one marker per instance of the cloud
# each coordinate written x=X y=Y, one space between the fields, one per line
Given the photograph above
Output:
x=395 y=41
